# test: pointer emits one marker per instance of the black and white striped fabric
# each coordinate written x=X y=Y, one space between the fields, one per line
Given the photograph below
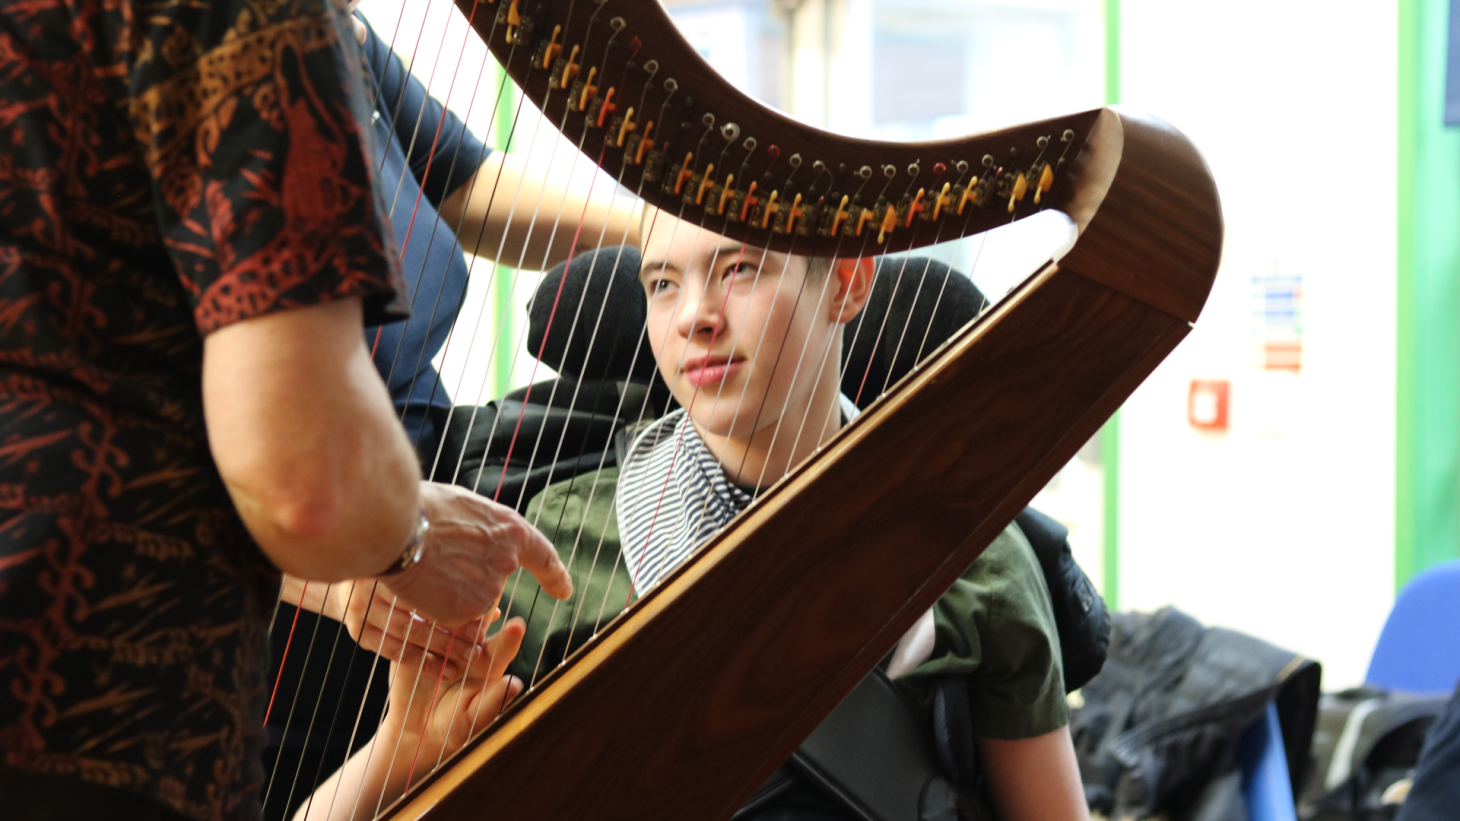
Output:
x=673 y=496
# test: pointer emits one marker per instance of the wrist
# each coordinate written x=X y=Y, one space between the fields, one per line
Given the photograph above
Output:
x=414 y=550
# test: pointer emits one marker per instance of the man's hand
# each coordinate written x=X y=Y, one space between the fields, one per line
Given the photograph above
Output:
x=381 y=624
x=471 y=548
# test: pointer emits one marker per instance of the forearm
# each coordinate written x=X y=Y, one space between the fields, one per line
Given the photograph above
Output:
x=374 y=776
x=1034 y=779
x=307 y=442
x=533 y=218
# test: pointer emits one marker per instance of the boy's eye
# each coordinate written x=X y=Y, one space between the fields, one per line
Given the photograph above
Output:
x=740 y=271
x=659 y=286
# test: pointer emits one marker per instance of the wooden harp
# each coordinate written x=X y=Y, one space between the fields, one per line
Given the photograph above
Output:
x=684 y=704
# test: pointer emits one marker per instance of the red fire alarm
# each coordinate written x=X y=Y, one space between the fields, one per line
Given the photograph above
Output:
x=1206 y=404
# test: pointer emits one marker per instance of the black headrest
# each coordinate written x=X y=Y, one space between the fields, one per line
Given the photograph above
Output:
x=904 y=292
x=609 y=279
x=912 y=297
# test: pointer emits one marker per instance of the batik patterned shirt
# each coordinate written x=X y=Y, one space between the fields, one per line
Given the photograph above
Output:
x=167 y=168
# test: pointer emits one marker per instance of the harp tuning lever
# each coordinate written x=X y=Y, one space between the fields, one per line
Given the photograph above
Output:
x=1021 y=187
x=553 y=49
x=570 y=68
x=626 y=127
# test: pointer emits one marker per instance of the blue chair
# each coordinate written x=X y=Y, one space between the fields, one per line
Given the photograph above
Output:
x=1265 y=781
x=1419 y=650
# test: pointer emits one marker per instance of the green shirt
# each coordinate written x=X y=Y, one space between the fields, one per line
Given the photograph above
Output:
x=995 y=625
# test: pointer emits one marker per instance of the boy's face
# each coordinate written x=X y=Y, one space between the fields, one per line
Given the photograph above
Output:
x=729 y=325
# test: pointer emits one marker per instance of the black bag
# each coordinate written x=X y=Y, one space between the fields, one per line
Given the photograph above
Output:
x=1157 y=733
x=1079 y=612
x=1367 y=740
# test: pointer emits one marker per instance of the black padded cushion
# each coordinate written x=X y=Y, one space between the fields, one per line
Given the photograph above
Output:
x=911 y=297
x=609 y=279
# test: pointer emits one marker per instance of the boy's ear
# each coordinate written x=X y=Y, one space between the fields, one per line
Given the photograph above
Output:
x=854 y=287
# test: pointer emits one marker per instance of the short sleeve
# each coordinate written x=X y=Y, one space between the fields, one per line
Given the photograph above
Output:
x=252 y=121
x=996 y=627
x=441 y=151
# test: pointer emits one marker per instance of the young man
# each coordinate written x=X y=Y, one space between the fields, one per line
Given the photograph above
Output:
x=747 y=341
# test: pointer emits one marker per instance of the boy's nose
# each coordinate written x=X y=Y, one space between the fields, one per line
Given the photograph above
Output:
x=700 y=312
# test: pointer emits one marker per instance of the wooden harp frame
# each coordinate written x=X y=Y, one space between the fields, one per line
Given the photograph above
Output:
x=682 y=706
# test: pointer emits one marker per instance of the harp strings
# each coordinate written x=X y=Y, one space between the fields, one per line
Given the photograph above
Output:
x=593 y=342
x=390 y=55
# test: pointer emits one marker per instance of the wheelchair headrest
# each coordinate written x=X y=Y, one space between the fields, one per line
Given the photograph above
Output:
x=916 y=304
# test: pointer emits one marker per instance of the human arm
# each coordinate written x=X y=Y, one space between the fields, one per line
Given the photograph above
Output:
x=304 y=436
x=308 y=445
x=430 y=716
x=1034 y=779
x=480 y=209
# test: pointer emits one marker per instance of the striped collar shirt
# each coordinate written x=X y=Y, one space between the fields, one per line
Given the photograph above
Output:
x=673 y=496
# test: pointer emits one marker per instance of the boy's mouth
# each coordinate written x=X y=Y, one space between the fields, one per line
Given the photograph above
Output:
x=710 y=370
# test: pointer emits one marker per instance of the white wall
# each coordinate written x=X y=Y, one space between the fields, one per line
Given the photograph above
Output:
x=1282 y=527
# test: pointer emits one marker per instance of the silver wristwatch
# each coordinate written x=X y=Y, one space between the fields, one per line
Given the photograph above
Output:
x=415 y=548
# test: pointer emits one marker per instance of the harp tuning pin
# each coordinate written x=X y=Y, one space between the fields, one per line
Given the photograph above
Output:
x=617 y=23
x=795 y=161
x=913 y=170
x=689 y=102
x=730 y=131
x=841 y=168
x=773 y=151
x=819 y=167
x=671 y=85
x=889 y=171
x=652 y=66
x=961 y=166
x=749 y=143
x=1068 y=135
x=1013 y=153
x=865 y=172
x=1042 y=142
x=708 y=119
x=939 y=169
x=988 y=161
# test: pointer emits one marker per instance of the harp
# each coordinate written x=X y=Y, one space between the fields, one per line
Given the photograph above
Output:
x=683 y=704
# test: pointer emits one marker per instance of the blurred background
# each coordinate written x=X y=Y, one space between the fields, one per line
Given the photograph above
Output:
x=1294 y=462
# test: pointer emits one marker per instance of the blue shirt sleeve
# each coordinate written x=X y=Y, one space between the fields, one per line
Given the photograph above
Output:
x=415 y=115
